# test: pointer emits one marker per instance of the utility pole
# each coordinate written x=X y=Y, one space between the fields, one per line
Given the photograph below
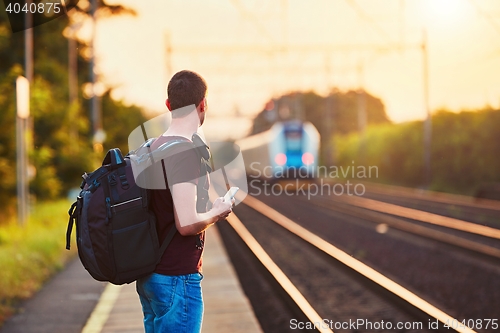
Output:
x=97 y=131
x=73 y=80
x=328 y=143
x=428 y=120
x=23 y=125
x=72 y=69
x=362 y=115
x=23 y=113
x=28 y=43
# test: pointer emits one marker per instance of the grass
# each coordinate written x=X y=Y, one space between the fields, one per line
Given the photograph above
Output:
x=30 y=254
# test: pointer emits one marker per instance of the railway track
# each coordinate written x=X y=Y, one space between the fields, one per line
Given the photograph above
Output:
x=323 y=281
x=480 y=211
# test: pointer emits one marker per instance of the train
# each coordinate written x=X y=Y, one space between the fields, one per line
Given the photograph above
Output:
x=289 y=149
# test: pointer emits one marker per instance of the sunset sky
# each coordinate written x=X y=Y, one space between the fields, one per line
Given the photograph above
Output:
x=252 y=50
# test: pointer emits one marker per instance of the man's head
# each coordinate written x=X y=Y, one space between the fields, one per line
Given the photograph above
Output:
x=186 y=88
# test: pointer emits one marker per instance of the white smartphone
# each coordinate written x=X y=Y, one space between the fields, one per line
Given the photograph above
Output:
x=231 y=193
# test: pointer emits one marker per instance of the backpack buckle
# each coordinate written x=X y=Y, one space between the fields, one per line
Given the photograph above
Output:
x=112 y=179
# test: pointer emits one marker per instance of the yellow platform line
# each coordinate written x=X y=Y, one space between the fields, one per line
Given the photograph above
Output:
x=101 y=312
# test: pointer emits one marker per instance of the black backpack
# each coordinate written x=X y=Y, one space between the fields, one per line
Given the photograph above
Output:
x=116 y=232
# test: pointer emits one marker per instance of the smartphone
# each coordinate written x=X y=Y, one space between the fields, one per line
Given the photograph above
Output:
x=231 y=193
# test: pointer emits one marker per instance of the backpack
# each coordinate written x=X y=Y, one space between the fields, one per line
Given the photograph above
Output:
x=116 y=231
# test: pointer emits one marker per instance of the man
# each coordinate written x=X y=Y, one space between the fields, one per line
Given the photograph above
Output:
x=171 y=297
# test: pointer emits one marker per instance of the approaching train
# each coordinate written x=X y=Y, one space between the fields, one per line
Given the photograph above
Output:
x=287 y=150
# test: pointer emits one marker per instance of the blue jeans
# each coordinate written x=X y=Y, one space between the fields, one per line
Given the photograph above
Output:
x=171 y=303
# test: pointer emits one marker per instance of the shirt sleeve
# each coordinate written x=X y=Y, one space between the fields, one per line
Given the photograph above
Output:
x=183 y=166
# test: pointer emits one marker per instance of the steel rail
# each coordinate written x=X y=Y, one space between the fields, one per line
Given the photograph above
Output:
x=418 y=215
x=444 y=198
x=427 y=195
x=352 y=263
x=277 y=273
x=418 y=230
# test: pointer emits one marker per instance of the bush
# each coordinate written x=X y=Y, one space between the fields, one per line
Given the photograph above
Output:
x=464 y=151
x=30 y=254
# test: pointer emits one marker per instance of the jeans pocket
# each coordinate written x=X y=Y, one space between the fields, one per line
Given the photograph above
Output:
x=160 y=290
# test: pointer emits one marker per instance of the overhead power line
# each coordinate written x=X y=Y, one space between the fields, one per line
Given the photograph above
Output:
x=298 y=48
x=363 y=15
x=251 y=17
x=486 y=15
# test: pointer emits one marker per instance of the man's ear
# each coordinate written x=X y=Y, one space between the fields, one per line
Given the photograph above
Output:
x=203 y=105
x=167 y=103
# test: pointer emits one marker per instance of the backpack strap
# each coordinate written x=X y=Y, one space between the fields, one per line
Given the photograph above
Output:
x=73 y=212
x=201 y=147
x=167 y=241
x=114 y=158
x=72 y=217
x=158 y=154
x=203 y=152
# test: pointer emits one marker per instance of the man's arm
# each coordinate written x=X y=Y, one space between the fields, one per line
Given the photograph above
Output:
x=187 y=220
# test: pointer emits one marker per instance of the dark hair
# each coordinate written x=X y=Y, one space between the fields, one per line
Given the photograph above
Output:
x=186 y=88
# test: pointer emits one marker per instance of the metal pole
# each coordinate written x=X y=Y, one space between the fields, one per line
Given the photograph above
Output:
x=73 y=84
x=22 y=204
x=328 y=145
x=22 y=121
x=362 y=112
x=362 y=115
x=328 y=151
x=28 y=43
x=22 y=105
x=428 y=121
x=72 y=71
x=95 y=107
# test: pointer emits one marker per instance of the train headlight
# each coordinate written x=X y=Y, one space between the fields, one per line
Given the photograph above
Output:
x=307 y=158
x=280 y=159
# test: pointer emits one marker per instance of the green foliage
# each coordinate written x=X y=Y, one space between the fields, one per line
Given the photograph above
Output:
x=464 y=151
x=119 y=120
x=30 y=254
x=60 y=151
x=61 y=148
x=8 y=139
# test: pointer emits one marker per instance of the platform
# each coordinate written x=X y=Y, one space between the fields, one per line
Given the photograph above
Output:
x=226 y=307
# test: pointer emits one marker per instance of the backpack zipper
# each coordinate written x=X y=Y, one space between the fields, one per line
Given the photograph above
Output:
x=126 y=202
x=132 y=202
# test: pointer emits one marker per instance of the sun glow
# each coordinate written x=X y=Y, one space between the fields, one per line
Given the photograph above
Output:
x=444 y=12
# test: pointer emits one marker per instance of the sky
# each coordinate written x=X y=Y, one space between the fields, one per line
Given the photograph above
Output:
x=250 y=51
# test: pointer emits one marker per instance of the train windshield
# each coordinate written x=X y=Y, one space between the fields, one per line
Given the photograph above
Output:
x=294 y=141
x=293 y=144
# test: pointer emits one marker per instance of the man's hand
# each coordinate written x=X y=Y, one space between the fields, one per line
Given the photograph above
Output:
x=221 y=208
x=187 y=220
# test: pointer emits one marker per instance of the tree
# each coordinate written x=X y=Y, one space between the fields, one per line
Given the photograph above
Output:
x=311 y=107
x=62 y=146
